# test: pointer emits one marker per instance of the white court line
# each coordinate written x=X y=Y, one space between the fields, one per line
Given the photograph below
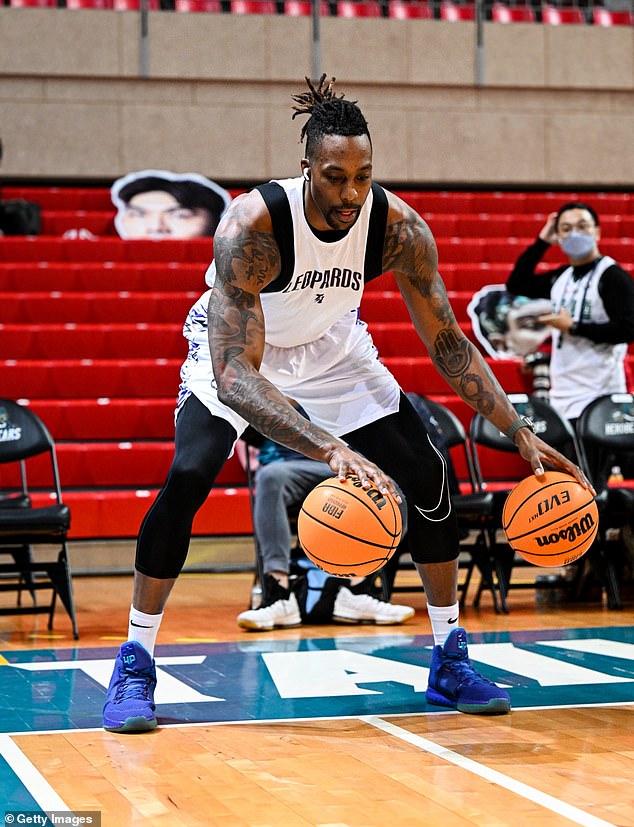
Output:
x=33 y=780
x=543 y=799
x=303 y=719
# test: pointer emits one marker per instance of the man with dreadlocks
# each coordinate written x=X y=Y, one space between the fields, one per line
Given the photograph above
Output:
x=281 y=320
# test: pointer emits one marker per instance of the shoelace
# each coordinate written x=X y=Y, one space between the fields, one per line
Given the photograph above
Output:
x=465 y=673
x=133 y=686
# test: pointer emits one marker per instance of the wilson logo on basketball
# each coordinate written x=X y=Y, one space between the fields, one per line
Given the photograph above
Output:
x=544 y=506
x=569 y=533
x=373 y=493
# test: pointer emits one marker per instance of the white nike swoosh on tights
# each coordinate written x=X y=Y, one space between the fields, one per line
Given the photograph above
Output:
x=428 y=513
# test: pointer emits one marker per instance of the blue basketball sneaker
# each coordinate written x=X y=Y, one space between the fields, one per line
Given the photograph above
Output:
x=454 y=682
x=129 y=703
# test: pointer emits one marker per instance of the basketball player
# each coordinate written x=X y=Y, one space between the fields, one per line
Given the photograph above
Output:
x=281 y=319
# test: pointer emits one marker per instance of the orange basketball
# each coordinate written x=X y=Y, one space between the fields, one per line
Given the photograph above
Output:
x=347 y=530
x=552 y=521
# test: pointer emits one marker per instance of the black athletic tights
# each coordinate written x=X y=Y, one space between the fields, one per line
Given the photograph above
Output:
x=397 y=443
x=202 y=444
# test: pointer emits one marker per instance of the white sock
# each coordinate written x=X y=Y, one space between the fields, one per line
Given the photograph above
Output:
x=444 y=619
x=143 y=628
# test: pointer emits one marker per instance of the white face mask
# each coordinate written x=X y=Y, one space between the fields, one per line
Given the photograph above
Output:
x=577 y=245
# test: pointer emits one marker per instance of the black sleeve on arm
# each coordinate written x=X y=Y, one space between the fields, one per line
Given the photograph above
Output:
x=523 y=280
x=616 y=289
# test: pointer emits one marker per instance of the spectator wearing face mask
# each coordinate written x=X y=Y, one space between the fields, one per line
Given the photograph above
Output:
x=593 y=308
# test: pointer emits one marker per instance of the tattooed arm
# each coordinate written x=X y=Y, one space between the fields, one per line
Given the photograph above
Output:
x=247 y=259
x=410 y=253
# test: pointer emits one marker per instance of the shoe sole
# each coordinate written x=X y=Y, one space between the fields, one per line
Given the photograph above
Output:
x=136 y=724
x=356 y=620
x=254 y=627
x=495 y=706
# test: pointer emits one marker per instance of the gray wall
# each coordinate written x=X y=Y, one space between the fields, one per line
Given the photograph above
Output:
x=556 y=106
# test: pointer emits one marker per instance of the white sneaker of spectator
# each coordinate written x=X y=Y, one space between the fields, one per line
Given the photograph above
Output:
x=363 y=608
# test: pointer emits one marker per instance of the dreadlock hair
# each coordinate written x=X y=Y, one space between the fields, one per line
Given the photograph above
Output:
x=330 y=114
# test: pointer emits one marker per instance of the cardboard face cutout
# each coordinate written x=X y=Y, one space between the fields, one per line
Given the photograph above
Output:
x=508 y=326
x=157 y=204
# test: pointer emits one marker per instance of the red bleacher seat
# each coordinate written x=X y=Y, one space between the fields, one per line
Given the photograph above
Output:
x=99 y=276
x=359 y=8
x=91 y=419
x=304 y=8
x=92 y=341
x=437 y=202
x=135 y=5
x=93 y=378
x=410 y=10
x=121 y=464
x=58 y=222
x=253 y=7
x=118 y=514
x=418 y=374
x=88 y=4
x=388 y=306
x=49 y=248
x=62 y=198
x=441 y=224
x=506 y=203
x=558 y=15
x=32 y=3
x=214 y=6
x=456 y=250
x=456 y=11
x=100 y=308
x=505 y=13
x=484 y=225
x=612 y=17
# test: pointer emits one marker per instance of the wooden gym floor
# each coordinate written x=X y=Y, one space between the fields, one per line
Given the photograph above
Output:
x=318 y=726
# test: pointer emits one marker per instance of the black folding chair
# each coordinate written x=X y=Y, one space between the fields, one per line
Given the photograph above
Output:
x=488 y=445
x=27 y=450
x=471 y=509
x=606 y=427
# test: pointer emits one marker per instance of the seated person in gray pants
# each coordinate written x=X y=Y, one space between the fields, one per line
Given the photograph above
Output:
x=283 y=478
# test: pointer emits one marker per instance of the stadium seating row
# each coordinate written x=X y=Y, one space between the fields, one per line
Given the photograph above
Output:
x=451 y=250
x=460 y=202
x=468 y=225
x=51 y=248
x=122 y=378
x=447 y=10
x=125 y=277
x=131 y=341
x=97 y=276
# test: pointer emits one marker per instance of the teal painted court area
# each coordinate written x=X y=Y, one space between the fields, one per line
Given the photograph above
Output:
x=267 y=680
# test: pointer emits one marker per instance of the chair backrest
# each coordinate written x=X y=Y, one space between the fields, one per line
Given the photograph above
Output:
x=33 y=3
x=134 y=5
x=455 y=11
x=549 y=425
x=304 y=8
x=253 y=7
x=88 y=4
x=359 y=8
x=23 y=436
x=214 y=6
x=504 y=13
x=556 y=15
x=610 y=17
x=609 y=422
x=410 y=10
x=22 y=433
